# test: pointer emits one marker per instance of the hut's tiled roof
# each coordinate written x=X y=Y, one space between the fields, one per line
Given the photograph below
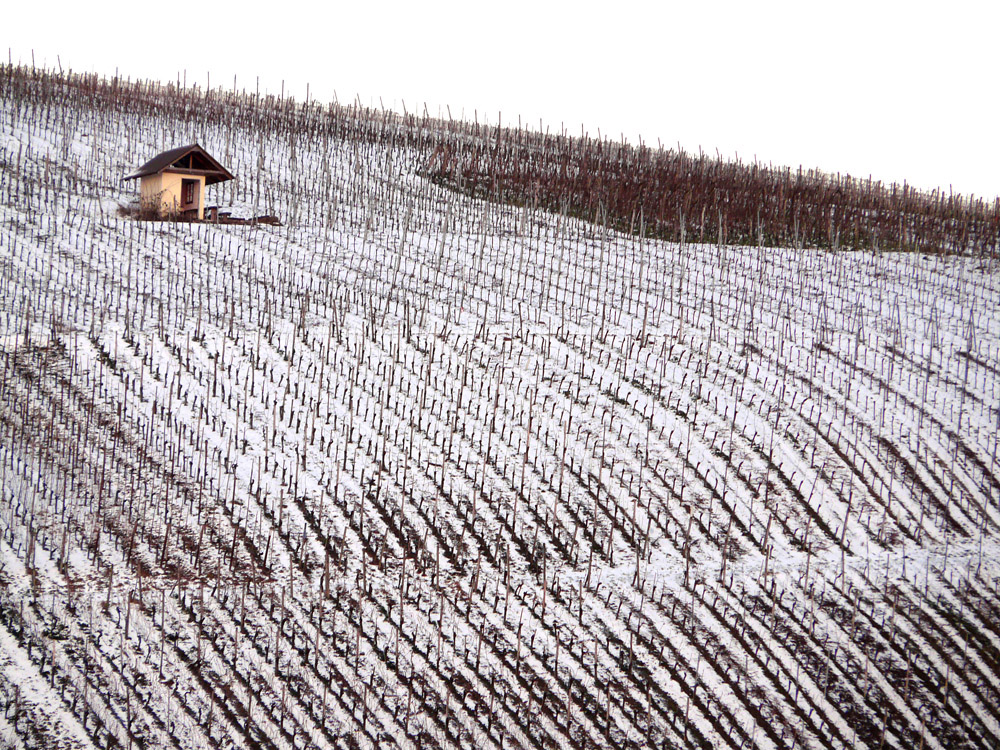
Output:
x=200 y=163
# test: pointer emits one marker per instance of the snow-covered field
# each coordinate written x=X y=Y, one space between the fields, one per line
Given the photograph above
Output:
x=417 y=470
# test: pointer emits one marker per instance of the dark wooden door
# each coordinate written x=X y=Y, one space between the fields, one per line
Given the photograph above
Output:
x=189 y=194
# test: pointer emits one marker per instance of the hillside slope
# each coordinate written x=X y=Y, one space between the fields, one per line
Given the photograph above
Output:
x=420 y=470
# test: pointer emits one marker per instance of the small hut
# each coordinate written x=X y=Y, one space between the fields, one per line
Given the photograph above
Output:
x=173 y=183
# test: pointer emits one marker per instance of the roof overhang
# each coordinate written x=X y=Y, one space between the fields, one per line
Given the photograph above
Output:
x=192 y=160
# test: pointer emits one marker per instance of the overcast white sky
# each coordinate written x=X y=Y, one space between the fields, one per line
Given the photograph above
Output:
x=895 y=90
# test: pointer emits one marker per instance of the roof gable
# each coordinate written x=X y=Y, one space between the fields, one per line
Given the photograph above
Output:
x=191 y=159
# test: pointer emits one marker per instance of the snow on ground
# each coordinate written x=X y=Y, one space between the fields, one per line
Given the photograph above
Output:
x=416 y=469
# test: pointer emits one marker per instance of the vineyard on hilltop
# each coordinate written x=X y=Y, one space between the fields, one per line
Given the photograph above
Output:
x=477 y=450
